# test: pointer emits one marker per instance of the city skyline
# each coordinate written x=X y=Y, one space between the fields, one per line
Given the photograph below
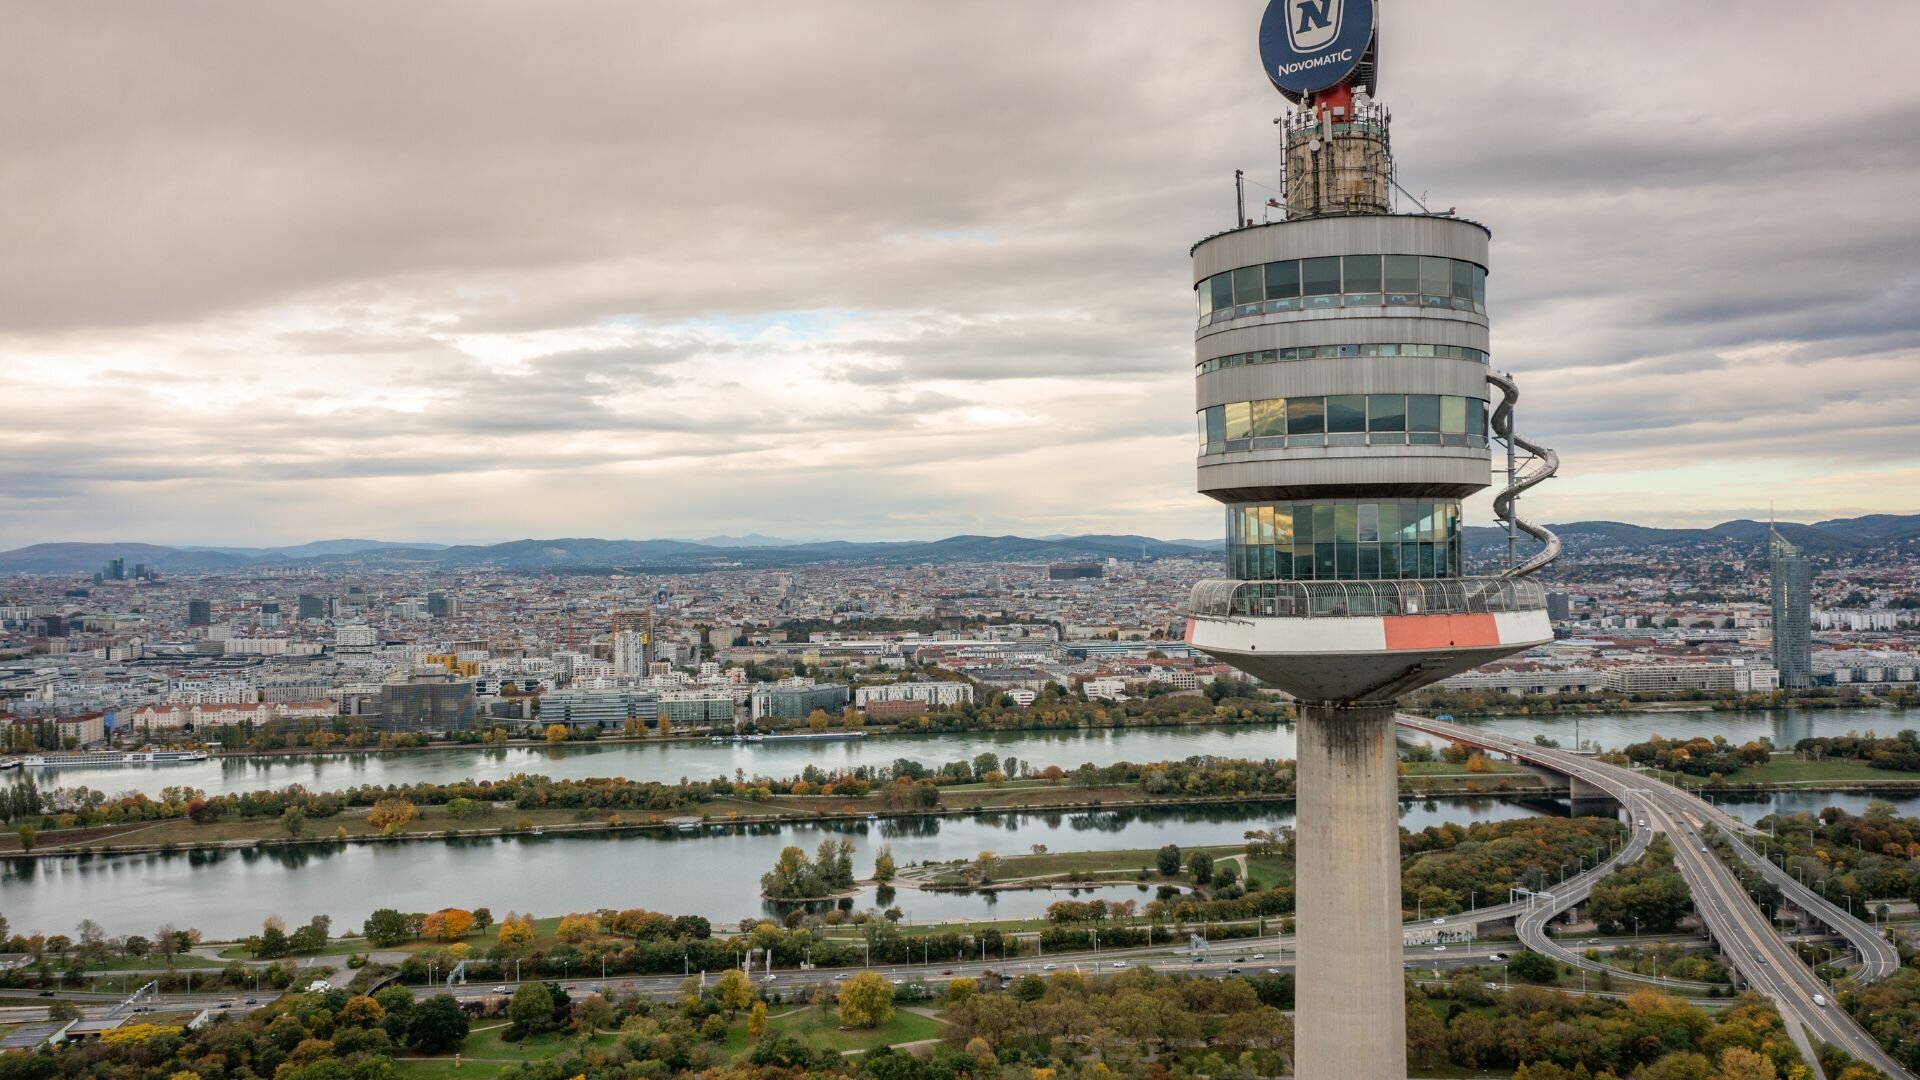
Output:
x=619 y=274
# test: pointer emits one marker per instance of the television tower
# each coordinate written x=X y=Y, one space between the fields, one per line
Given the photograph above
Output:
x=1343 y=388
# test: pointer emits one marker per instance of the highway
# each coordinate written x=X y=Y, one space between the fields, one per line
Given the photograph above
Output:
x=1765 y=960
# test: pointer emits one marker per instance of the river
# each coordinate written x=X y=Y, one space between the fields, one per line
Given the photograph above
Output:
x=702 y=760
x=714 y=873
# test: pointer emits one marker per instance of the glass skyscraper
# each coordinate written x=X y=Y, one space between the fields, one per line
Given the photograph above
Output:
x=1792 y=622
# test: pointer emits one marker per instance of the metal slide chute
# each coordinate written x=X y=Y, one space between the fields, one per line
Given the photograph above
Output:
x=1545 y=463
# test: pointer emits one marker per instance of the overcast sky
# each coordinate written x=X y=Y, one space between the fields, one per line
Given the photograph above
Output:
x=474 y=272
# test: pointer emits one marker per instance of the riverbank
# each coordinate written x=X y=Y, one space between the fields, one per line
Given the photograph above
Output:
x=700 y=735
x=431 y=822
x=437 y=823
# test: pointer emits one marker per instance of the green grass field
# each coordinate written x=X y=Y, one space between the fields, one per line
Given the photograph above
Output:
x=486 y=1054
x=821 y=1029
x=1784 y=769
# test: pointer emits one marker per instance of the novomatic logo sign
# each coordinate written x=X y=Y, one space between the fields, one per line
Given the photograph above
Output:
x=1309 y=45
x=1313 y=24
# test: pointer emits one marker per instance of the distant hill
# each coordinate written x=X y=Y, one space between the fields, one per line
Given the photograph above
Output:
x=73 y=558
x=1876 y=534
x=1839 y=536
x=316 y=547
x=583 y=553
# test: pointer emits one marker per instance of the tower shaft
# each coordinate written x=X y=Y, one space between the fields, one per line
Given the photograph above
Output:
x=1350 y=996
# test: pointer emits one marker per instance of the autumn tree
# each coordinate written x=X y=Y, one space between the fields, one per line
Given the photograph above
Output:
x=360 y=1011
x=883 y=868
x=577 y=928
x=448 y=924
x=736 y=991
x=757 y=1020
x=390 y=815
x=556 y=734
x=516 y=934
x=986 y=864
x=866 y=1001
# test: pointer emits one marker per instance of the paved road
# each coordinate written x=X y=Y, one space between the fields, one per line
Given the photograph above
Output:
x=1747 y=938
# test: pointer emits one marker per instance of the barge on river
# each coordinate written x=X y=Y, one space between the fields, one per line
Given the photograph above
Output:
x=798 y=736
x=96 y=758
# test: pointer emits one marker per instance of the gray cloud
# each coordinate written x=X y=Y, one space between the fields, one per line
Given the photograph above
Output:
x=578 y=249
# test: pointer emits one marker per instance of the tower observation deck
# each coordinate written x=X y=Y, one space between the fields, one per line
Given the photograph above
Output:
x=1345 y=404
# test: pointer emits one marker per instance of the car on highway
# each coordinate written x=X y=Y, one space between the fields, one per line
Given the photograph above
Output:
x=46 y=993
x=1499 y=956
x=1119 y=963
x=1439 y=948
x=251 y=1001
x=1048 y=967
x=226 y=1004
x=1820 y=1000
x=839 y=976
x=1438 y=922
x=1259 y=956
x=1273 y=971
x=897 y=982
x=1233 y=971
x=501 y=989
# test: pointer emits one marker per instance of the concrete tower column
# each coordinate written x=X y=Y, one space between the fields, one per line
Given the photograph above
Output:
x=1350 y=998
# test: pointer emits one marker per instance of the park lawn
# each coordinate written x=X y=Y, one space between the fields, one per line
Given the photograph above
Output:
x=485 y=1053
x=1788 y=769
x=1125 y=864
x=1448 y=768
x=821 y=1029
x=151 y=963
x=1270 y=870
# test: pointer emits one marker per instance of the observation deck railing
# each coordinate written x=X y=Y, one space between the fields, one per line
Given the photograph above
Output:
x=1220 y=599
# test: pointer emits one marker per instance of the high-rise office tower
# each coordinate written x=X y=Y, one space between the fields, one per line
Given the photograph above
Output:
x=312 y=607
x=199 y=613
x=1343 y=389
x=1792 y=619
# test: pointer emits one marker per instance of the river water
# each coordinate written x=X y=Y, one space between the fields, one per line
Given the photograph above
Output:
x=702 y=761
x=715 y=872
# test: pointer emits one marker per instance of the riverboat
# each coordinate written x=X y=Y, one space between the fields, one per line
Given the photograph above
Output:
x=95 y=758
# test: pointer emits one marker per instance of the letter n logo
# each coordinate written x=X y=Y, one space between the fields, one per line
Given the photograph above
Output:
x=1314 y=25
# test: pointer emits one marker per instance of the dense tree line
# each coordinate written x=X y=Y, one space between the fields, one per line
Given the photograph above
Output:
x=796 y=877
x=1648 y=895
x=1495 y=703
x=1451 y=867
x=1700 y=756
x=1900 y=753
x=330 y=1036
x=1851 y=859
x=84 y=806
x=1060 y=1027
